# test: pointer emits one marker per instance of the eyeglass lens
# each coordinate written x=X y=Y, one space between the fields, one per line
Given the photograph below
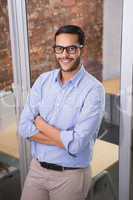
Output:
x=69 y=49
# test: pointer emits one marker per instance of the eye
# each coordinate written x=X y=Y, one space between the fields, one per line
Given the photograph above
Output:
x=58 y=48
x=72 y=48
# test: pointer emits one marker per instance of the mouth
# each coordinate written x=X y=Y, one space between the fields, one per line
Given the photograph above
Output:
x=66 y=61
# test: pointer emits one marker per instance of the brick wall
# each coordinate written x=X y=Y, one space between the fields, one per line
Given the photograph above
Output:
x=6 y=75
x=44 y=18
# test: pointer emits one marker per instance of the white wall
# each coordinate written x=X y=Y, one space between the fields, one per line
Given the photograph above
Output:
x=112 y=21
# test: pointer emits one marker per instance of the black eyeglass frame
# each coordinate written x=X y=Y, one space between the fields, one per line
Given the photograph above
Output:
x=76 y=46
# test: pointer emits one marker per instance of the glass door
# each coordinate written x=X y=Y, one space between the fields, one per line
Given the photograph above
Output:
x=9 y=148
x=110 y=130
x=126 y=102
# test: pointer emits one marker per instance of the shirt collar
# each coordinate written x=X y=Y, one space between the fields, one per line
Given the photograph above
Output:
x=76 y=79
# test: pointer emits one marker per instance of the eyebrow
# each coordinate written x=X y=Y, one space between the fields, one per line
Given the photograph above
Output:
x=75 y=45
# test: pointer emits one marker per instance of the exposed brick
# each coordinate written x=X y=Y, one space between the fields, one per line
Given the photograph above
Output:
x=44 y=18
x=68 y=2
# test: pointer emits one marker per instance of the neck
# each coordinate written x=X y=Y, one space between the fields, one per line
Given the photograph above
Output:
x=67 y=76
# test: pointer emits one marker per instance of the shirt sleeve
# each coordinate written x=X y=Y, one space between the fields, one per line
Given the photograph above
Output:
x=27 y=127
x=88 y=122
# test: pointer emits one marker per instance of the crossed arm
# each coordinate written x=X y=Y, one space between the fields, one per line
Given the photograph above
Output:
x=47 y=134
x=75 y=140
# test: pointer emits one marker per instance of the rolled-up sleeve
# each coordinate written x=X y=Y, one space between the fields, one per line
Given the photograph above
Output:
x=27 y=127
x=86 y=128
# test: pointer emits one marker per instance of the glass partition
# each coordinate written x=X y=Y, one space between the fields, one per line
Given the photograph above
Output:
x=9 y=153
x=110 y=130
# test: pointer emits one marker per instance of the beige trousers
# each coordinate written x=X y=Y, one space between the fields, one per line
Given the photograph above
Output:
x=45 y=184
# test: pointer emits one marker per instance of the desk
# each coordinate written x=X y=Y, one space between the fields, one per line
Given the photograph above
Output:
x=105 y=156
x=9 y=142
x=105 y=153
x=112 y=87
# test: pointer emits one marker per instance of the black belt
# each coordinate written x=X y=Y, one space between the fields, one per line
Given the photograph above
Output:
x=56 y=167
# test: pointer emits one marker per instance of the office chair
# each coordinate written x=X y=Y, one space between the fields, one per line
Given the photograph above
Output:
x=102 y=188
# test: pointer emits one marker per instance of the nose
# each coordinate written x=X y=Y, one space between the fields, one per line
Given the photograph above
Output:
x=64 y=53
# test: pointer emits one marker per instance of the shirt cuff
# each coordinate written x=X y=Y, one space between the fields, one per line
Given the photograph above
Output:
x=33 y=131
x=67 y=138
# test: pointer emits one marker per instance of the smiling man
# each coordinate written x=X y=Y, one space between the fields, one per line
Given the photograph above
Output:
x=61 y=118
x=68 y=53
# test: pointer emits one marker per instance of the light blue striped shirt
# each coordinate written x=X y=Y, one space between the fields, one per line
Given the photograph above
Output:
x=76 y=108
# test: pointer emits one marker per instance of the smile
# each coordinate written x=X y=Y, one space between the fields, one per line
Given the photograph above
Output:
x=65 y=61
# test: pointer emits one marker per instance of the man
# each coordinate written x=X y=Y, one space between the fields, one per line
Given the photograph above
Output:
x=61 y=118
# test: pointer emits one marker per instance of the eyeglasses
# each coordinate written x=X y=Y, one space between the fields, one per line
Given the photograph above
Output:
x=69 y=49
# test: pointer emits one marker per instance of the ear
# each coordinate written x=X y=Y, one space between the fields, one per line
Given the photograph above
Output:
x=82 y=51
x=85 y=52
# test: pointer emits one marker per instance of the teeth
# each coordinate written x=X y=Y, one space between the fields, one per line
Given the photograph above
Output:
x=66 y=61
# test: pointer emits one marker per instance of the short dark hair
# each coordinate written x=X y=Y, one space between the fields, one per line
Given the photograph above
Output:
x=72 y=29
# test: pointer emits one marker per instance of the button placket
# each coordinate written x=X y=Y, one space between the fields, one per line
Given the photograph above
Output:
x=58 y=102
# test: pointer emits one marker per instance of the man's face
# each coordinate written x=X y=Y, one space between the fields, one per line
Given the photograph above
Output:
x=68 y=62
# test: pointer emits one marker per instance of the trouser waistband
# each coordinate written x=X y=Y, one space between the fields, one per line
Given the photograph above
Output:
x=56 y=167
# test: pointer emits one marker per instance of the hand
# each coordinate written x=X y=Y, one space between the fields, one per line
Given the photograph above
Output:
x=40 y=123
x=52 y=133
